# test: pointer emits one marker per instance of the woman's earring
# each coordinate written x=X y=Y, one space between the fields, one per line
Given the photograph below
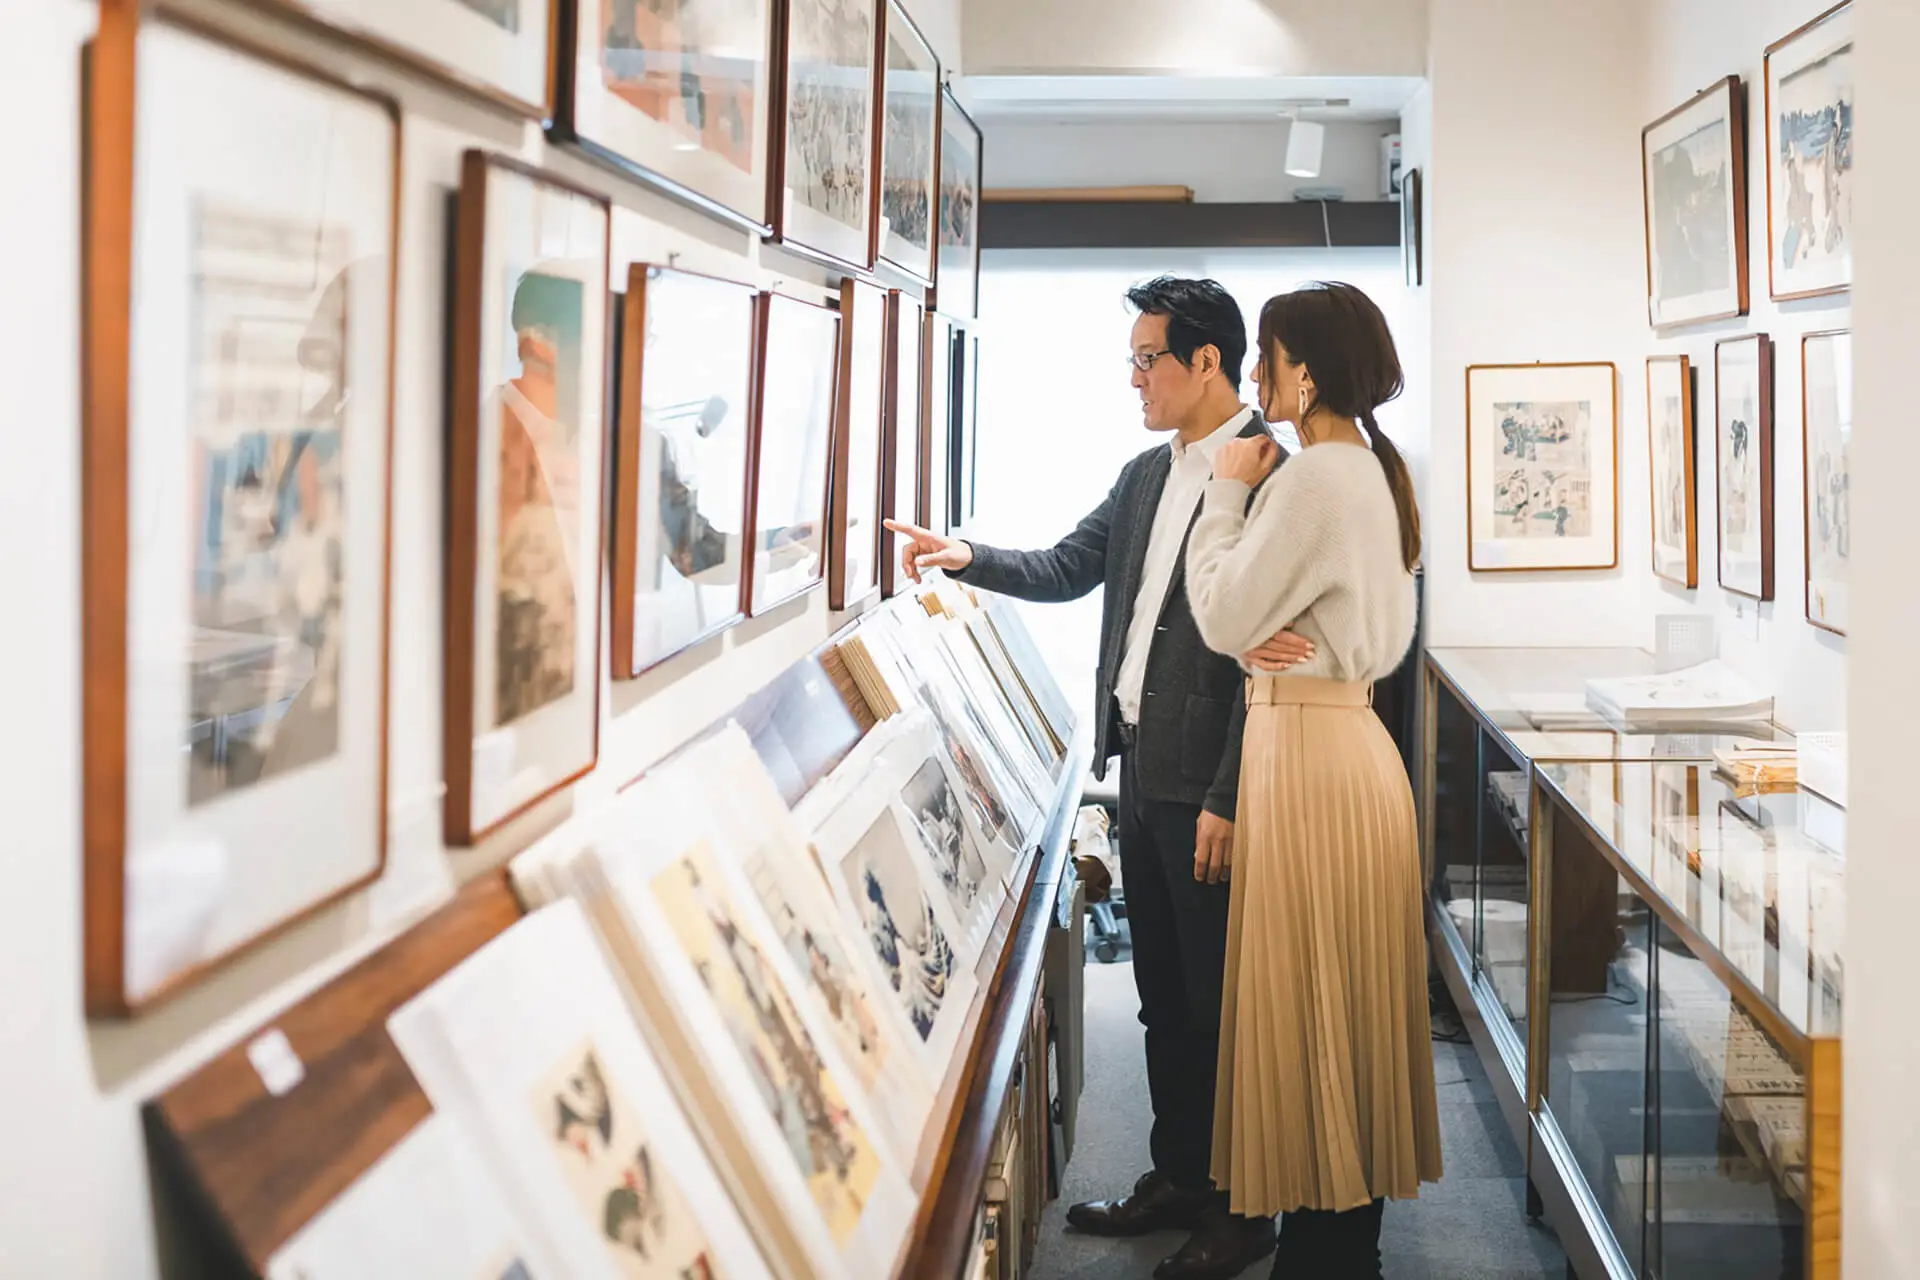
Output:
x=1303 y=404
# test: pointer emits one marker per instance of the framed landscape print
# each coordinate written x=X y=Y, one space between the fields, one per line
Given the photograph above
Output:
x=853 y=519
x=1743 y=459
x=792 y=446
x=910 y=136
x=1810 y=157
x=680 y=472
x=957 y=291
x=829 y=132
x=1542 y=467
x=238 y=435
x=905 y=412
x=525 y=511
x=679 y=96
x=1671 y=450
x=1694 y=174
x=1826 y=387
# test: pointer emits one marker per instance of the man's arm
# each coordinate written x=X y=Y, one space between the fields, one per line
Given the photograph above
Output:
x=1067 y=570
x=1224 y=795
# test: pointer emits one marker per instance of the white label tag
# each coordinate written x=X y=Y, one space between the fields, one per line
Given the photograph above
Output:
x=279 y=1066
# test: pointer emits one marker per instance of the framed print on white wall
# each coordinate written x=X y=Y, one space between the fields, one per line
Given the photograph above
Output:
x=1810 y=157
x=1693 y=167
x=239 y=371
x=792 y=449
x=1743 y=459
x=525 y=513
x=909 y=147
x=1542 y=467
x=1826 y=388
x=828 y=130
x=1670 y=449
x=957 y=289
x=905 y=411
x=853 y=519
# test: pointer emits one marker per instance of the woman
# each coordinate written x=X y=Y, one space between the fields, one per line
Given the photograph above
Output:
x=1326 y=1103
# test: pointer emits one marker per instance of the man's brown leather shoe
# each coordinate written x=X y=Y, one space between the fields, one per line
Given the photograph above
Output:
x=1154 y=1204
x=1220 y=1247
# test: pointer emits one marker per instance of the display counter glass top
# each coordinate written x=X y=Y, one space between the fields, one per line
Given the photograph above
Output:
x=1755 y=885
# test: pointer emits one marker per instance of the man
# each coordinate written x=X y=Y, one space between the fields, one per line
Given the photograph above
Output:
x=1174 y=711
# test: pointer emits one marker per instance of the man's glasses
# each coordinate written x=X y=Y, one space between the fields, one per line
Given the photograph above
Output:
x=1143 y=361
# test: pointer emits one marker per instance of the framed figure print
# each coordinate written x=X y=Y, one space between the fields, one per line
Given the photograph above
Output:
x=1542 y=467
x=905 y=414
x=238 y=435
x=678 y=96
x=1694 y=175
x=1743 y=459
x=799 y=351
x=909 y=147
x=957 y=289
x=522 y=695
x=936 y=432
x=853 y=520
x=1810 y=157
x=680 y=472
x=1826 y=419
x=1670 y=448
x=829 y=134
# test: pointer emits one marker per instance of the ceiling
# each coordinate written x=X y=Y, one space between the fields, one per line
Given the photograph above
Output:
x=1147 y=96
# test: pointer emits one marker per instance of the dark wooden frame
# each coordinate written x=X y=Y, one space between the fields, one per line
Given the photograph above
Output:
x=896 y=12
x=1806 y=479
x=892 y=575
x=1613 y=440
x=1164 y=224
x=1690 y=427
x=626 y=470
x=1733 y=91
x=949 y=103
x=563 y=129
x=1763 y=444
x=1766 y=89
x=465 y=405
x=1412 y=233
x=756 y=436
x=858 y=300
x=108 y=221
x=778 y=231
x=933 y=484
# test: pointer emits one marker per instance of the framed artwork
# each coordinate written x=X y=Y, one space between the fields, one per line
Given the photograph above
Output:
x=525 y=513
x=680 y=472
x=1826 y=420
x=957 y=292
x=1743 y=453
x=909 y=147
x=238 y=370
x=1809 y=78
x=1412 y=263
x=936 y=431
x=1542 y=467
x=853 y=518
x=680 y=97
x=792 y=445
x=1670 y=444
x=1694 y=190
x=905 y=414
x=828 y=131
x=497 y=49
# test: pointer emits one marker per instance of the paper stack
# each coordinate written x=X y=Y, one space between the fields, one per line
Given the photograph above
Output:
x=1710 y=693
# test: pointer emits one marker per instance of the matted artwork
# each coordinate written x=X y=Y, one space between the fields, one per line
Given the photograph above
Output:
x=1032 y=667
x=829 y=129
x=934 y=812
x=853 y=521
x=238 y=439
x=525 y=514
x=1743 y=453
x=1826 y=385
x=680 y=482
x=1809 y=77
x=1670 y=444
x=1542 y=467
x=957 y=289
x=905 y=410
x=792 y=446
x=910 y=136
x=1694 y=172
x=677 y=94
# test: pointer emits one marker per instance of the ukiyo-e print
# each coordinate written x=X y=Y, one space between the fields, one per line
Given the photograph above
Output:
x=1670 y=443
x=669 y=59
x=269 y=396
x=1691 y=183
x=935 y=814
x=826 y=1144
x=1543 y=488
x=625 y=1190
x=909 y=135
x=797 y=402
x=1828 y=389
x=1810 y=91
x=914 y=952
x=830 y=107
x=959 y=232
x=1744 y=459
x=504 y=14
x=1542 y=466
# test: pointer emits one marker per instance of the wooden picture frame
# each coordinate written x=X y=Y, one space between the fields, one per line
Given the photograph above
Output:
x=649 y=482
x=1693 y=184
x=1826 y=429
x=902 y=430
x=1743 y=463
x=1671 y=452
x=1412 y=245
x=819 y=234
x=529 y=727
x=899 y=132
x=858 y=468
x=1809 y=239
x=776 y=374
x=281 y=697
x=957 y=265
x=936 y=426
x=1536 y=456
x=639 y=127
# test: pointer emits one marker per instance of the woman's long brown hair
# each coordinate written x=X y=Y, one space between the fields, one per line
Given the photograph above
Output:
x=1338 y=333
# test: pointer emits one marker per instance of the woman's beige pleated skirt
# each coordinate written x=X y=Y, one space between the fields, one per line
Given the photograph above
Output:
x=1325 y=1096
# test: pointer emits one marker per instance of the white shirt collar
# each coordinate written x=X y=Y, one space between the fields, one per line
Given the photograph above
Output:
x=1212 y=444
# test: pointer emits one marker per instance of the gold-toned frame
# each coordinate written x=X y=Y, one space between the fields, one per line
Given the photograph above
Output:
x=1766 y=89
x=1689 y=428
x=1613 y=443
x=1806 y=482
x=1733 y=91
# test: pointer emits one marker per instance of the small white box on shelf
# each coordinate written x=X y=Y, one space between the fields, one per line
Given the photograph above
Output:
x=1823 y=765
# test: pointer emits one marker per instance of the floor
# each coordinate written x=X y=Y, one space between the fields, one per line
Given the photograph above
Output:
x=1469 y=1226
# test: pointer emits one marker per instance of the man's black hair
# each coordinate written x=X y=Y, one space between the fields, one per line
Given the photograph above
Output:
x=1199 y=313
